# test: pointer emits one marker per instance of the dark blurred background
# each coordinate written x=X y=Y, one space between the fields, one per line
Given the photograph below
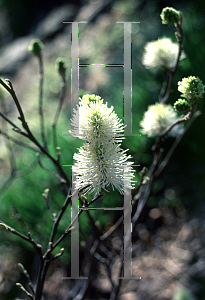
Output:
x=181 y=185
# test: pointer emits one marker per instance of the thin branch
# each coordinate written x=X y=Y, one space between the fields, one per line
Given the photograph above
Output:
x=28 y=133
x=57 y=255
x=48 y=171
x=46 y=198
x=18 y=142
x=147 y=189
x=116 y=289
x=164 y=85
x=177 y=141
x=63 y=209
x=96 y=230
x=142 y=182
x=28 y=278
x=179 y=36
x=55 y=121
x=41 y=79
x=46 y=258
x=25 y=291
x=27 y=239
x=154 y=169
x=181 y=119
x=8 y=143
x=13 y=172
x=68 y=230
x=112 y=229
x=79 y=291
x=13 y=94
x=16 y=128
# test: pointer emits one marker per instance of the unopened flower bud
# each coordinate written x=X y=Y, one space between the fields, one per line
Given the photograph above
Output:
x=36 y=47
x=61 y=66
x=182 y=105
x=191 y=88
x=84 y=198
x=144 y=171
x=170 y=16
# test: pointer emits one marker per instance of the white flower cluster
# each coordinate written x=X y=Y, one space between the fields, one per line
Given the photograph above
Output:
x=157 y=118
x=100 y=162
x=161 y=53
x=97 y=122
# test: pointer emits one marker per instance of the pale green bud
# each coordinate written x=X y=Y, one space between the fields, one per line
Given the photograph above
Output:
x=36 y=47
x=182 y=105
x=191 y=88
x=170 y=16
x=61 y=66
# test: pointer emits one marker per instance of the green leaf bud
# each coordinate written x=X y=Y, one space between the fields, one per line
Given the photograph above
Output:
x=36 y=47
x=87 y=99
x=182 y=105
x=191 y=88
x=170 y=16
x=61 y=66
x=145 y=180
x=144 y=171
x=84 y=198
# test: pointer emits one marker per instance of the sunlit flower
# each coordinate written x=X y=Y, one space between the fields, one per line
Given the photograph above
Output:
x=100 y=162
x=161 y=53
x=97 y=122
x=157 y=118
x=98 y=167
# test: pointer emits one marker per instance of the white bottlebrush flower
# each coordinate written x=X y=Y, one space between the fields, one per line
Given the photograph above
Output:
x=98 y=167
x=100 y=162
x=157 y=118
x=161 y=53
x=96 y=122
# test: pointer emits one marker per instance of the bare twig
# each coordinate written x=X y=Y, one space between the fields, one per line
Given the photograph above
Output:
x=96 y=229
x=164 y=85
x=15 y=127
x=25 y=291
x=46 y=257
x=27 y=239
x=28 y=277
x=57 y=255
x=54 y=124
x=179 y=36
x=116 y=288
x=13 y=172
x=18 y=142
x=68 y=230
x=46 y=197
x=28 y=133
x=41 y=79
x=177 y=141
x=48 y=171
x=63 y=209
